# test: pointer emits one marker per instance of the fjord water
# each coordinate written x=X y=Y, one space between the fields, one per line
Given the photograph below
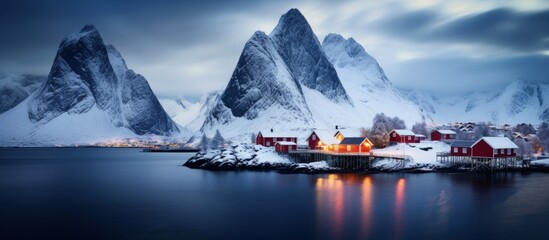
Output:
x=99 y=193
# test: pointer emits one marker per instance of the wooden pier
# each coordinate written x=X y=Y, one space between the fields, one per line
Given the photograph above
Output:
x=352 y=161
x=478 y=164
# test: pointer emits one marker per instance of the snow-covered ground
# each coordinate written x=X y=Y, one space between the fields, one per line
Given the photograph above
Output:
x=247 y=156
x=414 y=150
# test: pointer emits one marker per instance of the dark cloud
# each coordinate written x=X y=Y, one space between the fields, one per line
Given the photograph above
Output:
x=504 y=28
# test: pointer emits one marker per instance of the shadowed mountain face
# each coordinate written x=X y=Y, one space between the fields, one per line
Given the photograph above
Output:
x=271 y=74
x=86 y=73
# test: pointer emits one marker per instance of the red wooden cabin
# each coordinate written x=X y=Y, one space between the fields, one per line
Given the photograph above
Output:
x=319 y=139
x=420 y=137
x=269 y=138
x=353 y=145
x=402 y=136
x=443 y=135
x=494 y=147
x=461 y=148
x=283 y=146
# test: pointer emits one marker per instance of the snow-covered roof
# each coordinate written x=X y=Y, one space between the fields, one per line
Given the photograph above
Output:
x=285 y=143
x=445 y=131
x=350 y=132
x=404 y=132
x=327 y=136
x=281 y=134
x=498 y=142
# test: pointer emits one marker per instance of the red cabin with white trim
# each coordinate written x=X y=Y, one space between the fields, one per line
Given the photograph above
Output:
x=283 y=146
x=269 y=138
x=402 y=136
x=319 y=139
x=494 y=147
x=461 y=148
x=443 y=135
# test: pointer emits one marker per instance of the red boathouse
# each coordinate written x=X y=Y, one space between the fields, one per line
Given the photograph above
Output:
x=269 y=138
x=461 y=148
x=402 y=136
x=443 y=135
x=354 y=145
x=494 y=147
x=284 y=147
x=319 y=139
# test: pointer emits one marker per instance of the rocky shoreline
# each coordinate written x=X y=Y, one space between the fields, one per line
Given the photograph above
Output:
x=257 y=158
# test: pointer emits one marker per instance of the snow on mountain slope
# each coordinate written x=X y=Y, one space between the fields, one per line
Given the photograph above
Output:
x=90 y=127
x=14 y=88
x=367 y=85
x=180 y=110
x=287 y=81
x=519 y=102
x=87 y=77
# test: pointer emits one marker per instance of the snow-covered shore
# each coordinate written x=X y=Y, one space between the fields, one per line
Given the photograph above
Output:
x=421 y=158
x=252 y=157
x=255 y=157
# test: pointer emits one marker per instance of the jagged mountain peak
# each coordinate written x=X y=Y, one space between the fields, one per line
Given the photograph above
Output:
x=86 y=75
x=88 y=28
x=302 y=53
x=292 y=20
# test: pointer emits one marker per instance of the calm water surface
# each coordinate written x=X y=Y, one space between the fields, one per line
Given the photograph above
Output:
x=127 y=194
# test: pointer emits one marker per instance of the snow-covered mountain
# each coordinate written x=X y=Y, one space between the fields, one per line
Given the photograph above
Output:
x=90 y=95
x=519 y=102
x=366 y=84
x=14 y=88
x=288 y=80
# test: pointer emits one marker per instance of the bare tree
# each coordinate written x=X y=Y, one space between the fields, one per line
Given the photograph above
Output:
x=420 y=128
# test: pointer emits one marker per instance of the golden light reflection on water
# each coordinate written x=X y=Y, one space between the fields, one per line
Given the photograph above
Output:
x=399 y=207
x=331 y=202
x=367 y=191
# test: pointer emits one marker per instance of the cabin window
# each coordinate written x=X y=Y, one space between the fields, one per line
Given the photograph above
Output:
x=456 y=150
x=464 y=150
x=409 y=137
x=314 y=137
x=394 y=134
x=348 y=148
x=268 y=144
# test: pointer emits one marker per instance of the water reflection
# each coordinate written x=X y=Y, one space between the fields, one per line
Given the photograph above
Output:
x=366 y=206
x=399 y=207
x=329 y=200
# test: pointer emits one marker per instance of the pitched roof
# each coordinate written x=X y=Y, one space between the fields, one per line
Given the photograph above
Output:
x=285 y=143
x=349 y=132
x=404 y=132
x=353 y=140
x=281 y=134
x=445 y=131
x=327 y=136
x=498 y=142
x=458 y=143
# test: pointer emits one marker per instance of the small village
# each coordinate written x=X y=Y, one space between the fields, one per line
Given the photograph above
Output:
x=349 y=148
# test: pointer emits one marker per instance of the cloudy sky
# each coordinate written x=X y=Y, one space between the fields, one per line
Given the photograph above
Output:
x=188 y=48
